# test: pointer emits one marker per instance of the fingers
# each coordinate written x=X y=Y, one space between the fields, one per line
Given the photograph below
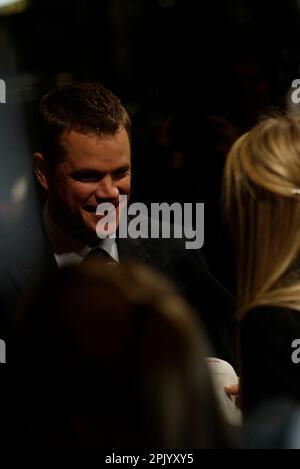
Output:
x=232 y=389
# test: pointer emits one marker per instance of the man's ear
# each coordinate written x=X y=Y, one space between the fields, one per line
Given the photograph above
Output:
x=41 y=170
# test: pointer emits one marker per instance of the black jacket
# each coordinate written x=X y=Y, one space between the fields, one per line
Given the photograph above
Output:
x=27 y=256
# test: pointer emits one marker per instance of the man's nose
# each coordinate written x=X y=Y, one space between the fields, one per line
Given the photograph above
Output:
x=106 y=189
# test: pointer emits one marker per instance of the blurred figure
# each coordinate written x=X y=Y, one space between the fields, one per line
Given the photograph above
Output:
x=115 y=359
x=262 y=200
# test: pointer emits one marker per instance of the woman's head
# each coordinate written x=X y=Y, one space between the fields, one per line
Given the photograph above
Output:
x=262 y=202
x=117 y=352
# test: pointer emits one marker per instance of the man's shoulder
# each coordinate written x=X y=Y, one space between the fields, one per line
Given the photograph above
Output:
x=25 y=253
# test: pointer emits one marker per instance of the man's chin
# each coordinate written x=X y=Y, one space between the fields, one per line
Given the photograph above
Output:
x=109 y=232
x=105 y=226
x=96 y=230
x=99 y=227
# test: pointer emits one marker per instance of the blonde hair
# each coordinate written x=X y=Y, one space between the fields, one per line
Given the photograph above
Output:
x=262 y=173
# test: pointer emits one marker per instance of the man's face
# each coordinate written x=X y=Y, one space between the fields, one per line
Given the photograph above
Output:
x=93 y=169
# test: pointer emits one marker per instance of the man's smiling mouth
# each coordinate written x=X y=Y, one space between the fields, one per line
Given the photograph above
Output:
x=93 y=210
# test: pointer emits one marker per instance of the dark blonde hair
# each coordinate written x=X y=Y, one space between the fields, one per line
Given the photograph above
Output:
x=262 y=206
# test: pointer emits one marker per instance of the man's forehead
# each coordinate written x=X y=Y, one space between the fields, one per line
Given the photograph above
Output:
x=78 y=148
x=73 y=136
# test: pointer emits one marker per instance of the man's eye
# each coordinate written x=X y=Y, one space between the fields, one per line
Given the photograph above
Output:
x=85 y=177
x=122 y=172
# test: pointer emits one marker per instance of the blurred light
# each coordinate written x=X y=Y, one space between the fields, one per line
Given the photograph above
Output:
x=19 y=189
x=9 y=7
x=22 y=87
x=166 y=3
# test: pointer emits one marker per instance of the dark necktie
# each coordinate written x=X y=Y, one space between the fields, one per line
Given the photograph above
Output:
x=99 y=254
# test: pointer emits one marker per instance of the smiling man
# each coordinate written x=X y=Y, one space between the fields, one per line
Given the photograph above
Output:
x=83 y=159
x=92 y=169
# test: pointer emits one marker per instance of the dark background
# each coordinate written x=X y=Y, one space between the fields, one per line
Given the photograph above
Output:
x=193 y=74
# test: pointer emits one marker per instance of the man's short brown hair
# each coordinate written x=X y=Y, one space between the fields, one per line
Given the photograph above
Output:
x=88 y=108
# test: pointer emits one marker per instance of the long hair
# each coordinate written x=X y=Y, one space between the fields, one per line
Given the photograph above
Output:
x=262 y=206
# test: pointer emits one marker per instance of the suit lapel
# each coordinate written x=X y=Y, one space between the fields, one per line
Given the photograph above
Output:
x=31 y=256
x=134 y=249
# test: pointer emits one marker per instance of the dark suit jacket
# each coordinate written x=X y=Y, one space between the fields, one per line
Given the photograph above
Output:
x=268 y=370
x=27 y=256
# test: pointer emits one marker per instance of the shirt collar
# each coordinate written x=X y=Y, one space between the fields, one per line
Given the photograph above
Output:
x=68 y=250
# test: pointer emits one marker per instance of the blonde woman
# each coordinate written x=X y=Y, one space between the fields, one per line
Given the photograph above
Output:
x=262 y=200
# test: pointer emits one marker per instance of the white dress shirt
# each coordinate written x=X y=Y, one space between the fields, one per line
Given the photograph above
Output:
x=68 y=250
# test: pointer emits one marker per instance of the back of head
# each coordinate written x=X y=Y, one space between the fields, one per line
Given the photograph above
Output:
x=118 y=357
x=262 y=202
x=88 y=108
